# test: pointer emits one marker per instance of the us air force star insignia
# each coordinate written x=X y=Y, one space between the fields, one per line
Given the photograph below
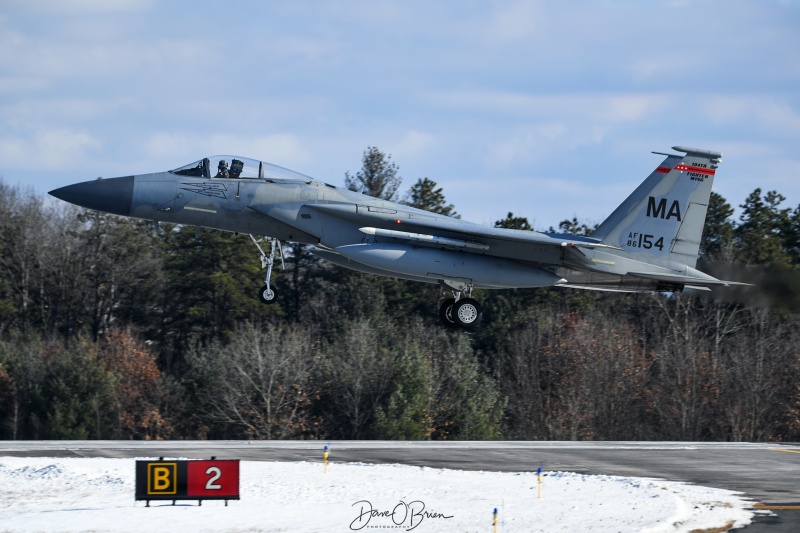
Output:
x=217 y=190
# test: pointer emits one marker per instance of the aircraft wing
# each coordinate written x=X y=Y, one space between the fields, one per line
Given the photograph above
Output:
x=426 y=229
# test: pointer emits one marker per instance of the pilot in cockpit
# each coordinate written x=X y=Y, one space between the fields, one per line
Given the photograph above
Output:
x=222 y=169
x=236 y=168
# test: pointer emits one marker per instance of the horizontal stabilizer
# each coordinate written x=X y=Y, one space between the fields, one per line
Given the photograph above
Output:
x=688 y=280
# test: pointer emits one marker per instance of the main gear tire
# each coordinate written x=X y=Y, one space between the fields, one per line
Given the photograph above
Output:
x=446 y=312
x=467 y=313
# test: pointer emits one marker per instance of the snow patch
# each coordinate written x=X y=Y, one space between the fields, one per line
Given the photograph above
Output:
x=96 y=494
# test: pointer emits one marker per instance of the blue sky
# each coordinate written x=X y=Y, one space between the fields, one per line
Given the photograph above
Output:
x=546 y=109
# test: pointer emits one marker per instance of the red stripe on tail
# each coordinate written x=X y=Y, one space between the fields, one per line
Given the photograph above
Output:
x=698 y=170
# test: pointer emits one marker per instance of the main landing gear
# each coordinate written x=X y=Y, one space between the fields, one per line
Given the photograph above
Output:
x=458 y=312
x=267 y=294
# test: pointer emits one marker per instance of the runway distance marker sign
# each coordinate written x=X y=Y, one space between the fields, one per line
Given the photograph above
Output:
x=187 y=480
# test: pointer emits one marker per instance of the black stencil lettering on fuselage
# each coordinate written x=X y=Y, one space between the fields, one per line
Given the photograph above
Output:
x=217 y=190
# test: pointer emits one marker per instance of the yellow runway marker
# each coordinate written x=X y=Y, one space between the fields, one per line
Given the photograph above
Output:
x=777 y=507
x=784 y=451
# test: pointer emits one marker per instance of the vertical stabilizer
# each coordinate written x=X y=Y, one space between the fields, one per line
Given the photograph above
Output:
x=664 y=217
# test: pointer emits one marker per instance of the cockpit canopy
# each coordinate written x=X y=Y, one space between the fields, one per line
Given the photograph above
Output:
x=235 y=167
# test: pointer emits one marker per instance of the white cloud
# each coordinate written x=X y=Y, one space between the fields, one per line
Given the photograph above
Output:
x=23 y=113
x=80 y=6
x=774 y=113
x=414 y=143
x=581 y=122
x=662 y=68
x=544 y=200
x=306 y=48
x=491 y=90
x=377 y=12
x=605 y=107
x=741 y=176
x=747 y=150
x=55 y=149
x=516 y=21
x=527 y=145
x=21 y=84
x=97 y=58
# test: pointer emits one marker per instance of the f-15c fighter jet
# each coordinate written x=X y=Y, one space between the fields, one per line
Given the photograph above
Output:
x=649 y=243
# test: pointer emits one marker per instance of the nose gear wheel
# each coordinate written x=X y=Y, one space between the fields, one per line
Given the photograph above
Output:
x=267 y=294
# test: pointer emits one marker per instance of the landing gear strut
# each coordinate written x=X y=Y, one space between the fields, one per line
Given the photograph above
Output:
x=267 y=294
x=458 y=312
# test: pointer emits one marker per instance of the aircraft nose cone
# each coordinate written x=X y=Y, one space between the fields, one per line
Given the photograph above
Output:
x=112 y=195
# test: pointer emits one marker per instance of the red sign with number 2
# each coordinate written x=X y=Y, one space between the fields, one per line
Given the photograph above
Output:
x=213 y=478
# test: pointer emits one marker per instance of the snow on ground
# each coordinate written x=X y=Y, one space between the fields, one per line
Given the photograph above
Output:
x=45 y=494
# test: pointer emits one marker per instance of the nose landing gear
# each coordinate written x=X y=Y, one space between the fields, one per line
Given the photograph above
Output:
x=267 y=294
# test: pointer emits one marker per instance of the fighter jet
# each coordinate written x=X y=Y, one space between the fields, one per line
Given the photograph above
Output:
x=649 y=243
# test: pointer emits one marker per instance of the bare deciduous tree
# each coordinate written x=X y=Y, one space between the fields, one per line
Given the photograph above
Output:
x=261 y=381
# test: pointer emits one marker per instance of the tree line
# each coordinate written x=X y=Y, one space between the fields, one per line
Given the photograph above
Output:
x=112 y=328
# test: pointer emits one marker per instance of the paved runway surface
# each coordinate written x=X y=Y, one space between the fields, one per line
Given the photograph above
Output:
x=768 y=473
